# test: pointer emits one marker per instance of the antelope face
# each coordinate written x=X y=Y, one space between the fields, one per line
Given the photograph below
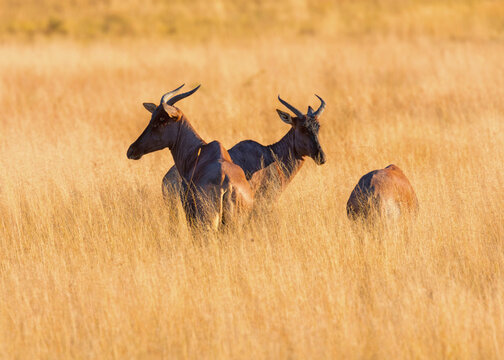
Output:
x=161 y=131
x=306 y=130
x=163 y=128
x=306 y=140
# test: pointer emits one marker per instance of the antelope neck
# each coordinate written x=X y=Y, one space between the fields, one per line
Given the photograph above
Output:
x=185 y=148
x=284 y=152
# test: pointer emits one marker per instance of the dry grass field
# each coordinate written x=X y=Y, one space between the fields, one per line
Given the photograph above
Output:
x=93 y=264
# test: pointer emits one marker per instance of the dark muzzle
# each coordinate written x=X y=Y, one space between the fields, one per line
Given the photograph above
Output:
x=320 y=158
x=132 y=153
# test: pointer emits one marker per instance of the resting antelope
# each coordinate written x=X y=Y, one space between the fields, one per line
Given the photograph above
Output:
x=385 y=193
x=215 y=190
x=270 y=168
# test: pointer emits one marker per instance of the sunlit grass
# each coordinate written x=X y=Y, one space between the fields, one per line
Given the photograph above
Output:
x=202 y=20
x=94 y=265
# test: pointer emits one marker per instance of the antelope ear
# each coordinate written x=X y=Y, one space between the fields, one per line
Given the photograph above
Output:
x=285 y=117
x=150 y=107
x=172 y=111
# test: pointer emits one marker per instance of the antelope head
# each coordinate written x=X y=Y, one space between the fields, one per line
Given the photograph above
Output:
x=163 y=128
x=306 y=129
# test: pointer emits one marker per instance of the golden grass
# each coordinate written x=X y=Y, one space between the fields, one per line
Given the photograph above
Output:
x=94 y=265
x=202 y=19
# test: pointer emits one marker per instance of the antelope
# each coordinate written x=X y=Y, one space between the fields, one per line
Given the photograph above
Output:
x=215 y=190
x=384 y=193
x=270 y=168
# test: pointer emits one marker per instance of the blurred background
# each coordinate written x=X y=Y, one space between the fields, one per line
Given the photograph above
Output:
x=201 y=20
x=93 y=262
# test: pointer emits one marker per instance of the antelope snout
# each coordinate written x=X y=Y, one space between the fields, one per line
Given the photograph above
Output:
x=320 y=159
x=132 y=153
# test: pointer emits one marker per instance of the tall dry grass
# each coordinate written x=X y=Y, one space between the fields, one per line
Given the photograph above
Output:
x=94 y=265
x=203 y=20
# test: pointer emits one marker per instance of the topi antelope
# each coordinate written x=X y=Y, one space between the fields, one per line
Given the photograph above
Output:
x=384 y=193
x=270 y=168
x=215 y=191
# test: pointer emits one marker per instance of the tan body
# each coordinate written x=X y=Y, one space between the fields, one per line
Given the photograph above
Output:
x=269 y=183
x=384 y=193
x=218 y=191
x=269 y=168
x=214 y=191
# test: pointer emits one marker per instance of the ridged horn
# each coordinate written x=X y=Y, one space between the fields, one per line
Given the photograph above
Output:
x=166 y=96
x=290 y=107
x=178 y=97
x=321 y=108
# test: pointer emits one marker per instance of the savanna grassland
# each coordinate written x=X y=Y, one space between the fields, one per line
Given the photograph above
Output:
x=93 y=263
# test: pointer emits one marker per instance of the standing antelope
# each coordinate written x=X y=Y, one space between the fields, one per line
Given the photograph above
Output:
x=270 y=168
x=215 y=190
x=384 y=193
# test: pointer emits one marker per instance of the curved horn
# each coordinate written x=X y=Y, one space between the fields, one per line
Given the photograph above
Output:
x=290 y=107
x=178 y=97
x=321 y=108
x=166 y=96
